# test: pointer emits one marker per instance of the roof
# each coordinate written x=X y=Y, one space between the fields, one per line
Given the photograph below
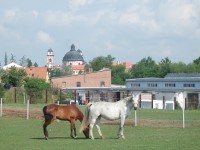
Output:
x=171 y=77
x=73 y=55
x=183 y=75
x=13 y=64
x=50 y=50
x=78 y=67
x=127 y=65
x=37 y=72
x=164 y=80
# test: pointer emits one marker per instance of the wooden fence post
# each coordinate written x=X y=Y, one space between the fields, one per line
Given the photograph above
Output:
x=163 y=102
x=75 y=96
x=1 y=107
x=152 y=97
x=27 y=110
x=15 y=95
x=140 y=101
x=174 y=102
x=60 y=95
x=46 y=96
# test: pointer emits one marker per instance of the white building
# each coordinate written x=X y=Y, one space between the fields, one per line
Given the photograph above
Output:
x=13 y=64
x=50 y=58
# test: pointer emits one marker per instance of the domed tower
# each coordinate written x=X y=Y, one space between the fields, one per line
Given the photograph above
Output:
x=73 y=57
x=50 y=58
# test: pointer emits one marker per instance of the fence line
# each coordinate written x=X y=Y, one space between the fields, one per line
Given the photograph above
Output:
x=1 y=108
x=27 y=109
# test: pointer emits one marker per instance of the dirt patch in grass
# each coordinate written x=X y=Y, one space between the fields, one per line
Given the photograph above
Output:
x=38 y=114
x=22 y=113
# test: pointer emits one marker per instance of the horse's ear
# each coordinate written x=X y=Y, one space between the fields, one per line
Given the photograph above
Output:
x=135 y=94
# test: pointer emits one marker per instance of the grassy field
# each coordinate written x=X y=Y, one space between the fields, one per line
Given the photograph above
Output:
x=19 y=133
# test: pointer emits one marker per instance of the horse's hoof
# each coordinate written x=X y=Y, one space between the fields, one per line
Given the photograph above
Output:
x=121 y=137
x=46 y=138
x=102 y=137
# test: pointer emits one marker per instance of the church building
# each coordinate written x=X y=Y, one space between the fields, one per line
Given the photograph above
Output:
x=74 y=59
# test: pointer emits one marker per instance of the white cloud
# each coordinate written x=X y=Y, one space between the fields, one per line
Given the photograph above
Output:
x=10 y=13
x=44 y=37
x=75 y=4
x=140 y=17
x=35 y=13
x=61 y=18
x=2 y=29
x=179 y=17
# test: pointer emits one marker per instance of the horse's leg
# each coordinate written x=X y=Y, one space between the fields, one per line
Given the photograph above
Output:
x=73 y=128
x=46 y=123
x=92 y=122
x=121 y=128
x=98 y=127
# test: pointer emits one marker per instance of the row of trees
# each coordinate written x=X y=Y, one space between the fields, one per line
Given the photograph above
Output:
x=147 y=67
x=18 y=78
x=25 y=62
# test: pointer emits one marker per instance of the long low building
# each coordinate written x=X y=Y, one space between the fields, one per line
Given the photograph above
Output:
x=168 y=88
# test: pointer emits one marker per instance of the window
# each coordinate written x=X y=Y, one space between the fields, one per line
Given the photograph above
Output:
x=33 y=75
x=78 y=84
x=102 y=84
x=170 y=85
x=152 y=85
x=188 y=85
x=135 y=84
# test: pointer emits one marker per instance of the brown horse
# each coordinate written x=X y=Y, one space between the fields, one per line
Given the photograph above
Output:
x=66 y=113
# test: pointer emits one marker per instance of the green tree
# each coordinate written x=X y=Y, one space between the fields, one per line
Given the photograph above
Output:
x=23 y=61
x=164 y=67
x=35 y=64
x=12 y=59
x=67 y=71
x=179 y=67
x=36 y=87
x=13 y=77
x=29 y=63
x=55 y=73
x=145 y=68
x=197 y=61
x=101 y=62
x=58 y=72
x=2 y=90
x=119 y=75
x=5 y=59
x=35 y=84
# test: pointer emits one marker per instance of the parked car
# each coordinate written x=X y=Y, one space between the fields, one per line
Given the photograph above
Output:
x=70 y=102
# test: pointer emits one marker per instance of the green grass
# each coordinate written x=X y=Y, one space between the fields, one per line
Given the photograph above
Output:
x=27 y=134
x=22 y=134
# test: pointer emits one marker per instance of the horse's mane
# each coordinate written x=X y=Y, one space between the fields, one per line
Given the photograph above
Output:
x=127 y=99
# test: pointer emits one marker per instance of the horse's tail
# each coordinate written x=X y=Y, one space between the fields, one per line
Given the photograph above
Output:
x=47 y=115
x=85 y=121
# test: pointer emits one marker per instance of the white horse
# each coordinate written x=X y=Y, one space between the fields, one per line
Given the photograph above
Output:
x=110 y=111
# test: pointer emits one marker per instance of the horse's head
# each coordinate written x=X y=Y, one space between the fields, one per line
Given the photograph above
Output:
x=135 y=97
x=86 y=132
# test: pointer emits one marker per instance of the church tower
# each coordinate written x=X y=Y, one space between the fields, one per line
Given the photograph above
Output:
x=50 y=58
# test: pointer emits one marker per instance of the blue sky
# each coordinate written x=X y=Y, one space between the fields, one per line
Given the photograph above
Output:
x=128 y=30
